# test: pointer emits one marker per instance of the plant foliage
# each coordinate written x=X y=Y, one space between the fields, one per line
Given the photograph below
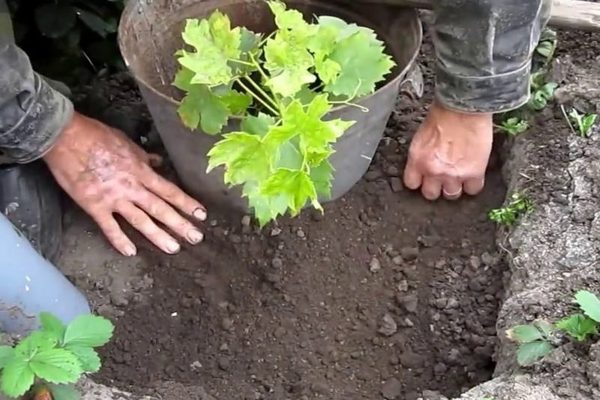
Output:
x=281 y=87
x=63 y=36
x=56 y=354
x=537 y=340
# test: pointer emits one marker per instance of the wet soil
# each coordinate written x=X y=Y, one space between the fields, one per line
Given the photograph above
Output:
x=385 y=296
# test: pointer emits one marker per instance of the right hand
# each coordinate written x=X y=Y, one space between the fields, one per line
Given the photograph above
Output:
x=449 y=153
x=106 y=173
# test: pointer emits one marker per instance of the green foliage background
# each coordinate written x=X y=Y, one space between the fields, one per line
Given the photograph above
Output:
x=68 y=40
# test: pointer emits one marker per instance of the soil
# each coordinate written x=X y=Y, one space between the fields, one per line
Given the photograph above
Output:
x=385 y=296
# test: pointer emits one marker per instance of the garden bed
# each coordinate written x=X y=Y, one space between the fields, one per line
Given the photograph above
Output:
x=387 y=296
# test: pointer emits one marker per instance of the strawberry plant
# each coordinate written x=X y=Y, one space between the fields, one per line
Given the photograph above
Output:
x=538 y=339
x=509 y=214
x=280 y=87
x=50 y=360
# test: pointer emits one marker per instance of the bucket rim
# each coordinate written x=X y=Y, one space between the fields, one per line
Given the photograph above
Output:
x=390 y=82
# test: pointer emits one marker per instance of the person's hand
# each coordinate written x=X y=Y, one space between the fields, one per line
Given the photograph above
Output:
x=449 y=154
x=106 y=173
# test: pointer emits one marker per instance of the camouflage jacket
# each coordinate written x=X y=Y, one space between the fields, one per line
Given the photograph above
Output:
x=483 y=50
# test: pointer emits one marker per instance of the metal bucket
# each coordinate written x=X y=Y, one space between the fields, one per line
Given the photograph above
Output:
x=150 y=33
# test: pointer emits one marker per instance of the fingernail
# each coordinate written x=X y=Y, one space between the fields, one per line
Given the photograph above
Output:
x=173 y=247
x=194 y=236
x=199 y=214
x=130 y=250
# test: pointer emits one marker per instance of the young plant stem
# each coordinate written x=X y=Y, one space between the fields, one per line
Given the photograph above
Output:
x=258 y=98
x=262 y=92
x=266 y=78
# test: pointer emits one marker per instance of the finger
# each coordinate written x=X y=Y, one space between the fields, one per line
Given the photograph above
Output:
x=115 y=234
x=474 y=185
x=452 y=188
x=432 y=188
x=412 y=175
x=142 y=222
x=164 y=213
x=171 y=193
x=155 y=160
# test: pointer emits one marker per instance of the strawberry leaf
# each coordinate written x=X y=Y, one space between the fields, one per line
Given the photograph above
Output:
x=64 y=392
x=589 y=303
x=530 y=353
x=524 y=334
x=17 y=377
x=7 y=353
x=56 y=366
x=52 y=326
x=88 y=357
x=89 y=331
x=578 y=326
x=36 y=341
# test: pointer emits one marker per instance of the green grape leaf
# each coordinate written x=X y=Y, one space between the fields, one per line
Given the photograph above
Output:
x=36 y=341
x=322 y=176
x=17 y=377
x=578 y=326
x=56 y=366
x=524 y=334
x=216 y=44
x=288 y=64
x=88 y=330
x=64 y=392
x=266 y=208
x=530 y=353
x=7 y=353
x=363 y=63
x=183 y=79
x=201 y=108
x=244 y=156
x=292 y=20
x=296 y=186
x=589 y=303
x=314 y=134
x=88 y=357
x=236 y=103
x=257 y=125
x=52 y=325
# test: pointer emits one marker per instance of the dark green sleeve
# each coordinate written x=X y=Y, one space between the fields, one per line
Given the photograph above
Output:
x=32 y=113
x=484 y=50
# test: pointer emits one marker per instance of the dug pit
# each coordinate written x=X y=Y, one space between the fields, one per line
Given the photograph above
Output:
x=385 y=296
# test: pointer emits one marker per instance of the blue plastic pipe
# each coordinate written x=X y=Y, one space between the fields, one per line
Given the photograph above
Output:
x=29 y=284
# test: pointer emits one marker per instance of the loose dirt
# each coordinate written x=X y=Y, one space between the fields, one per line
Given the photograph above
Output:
x=384 y=296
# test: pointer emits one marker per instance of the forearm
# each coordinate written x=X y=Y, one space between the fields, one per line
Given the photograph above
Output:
x=32 y=114
x=484 y=49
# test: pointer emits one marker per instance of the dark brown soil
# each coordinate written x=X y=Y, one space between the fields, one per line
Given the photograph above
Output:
x=385 y=296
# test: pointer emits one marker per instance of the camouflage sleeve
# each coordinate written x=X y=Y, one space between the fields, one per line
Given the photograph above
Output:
x=32 y=113
x=484 y=50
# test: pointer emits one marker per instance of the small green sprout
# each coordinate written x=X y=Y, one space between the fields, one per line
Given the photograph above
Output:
x=513 y=126
x=547 y=45
x=509 y=214
x=583 y=122
x=537 y=340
